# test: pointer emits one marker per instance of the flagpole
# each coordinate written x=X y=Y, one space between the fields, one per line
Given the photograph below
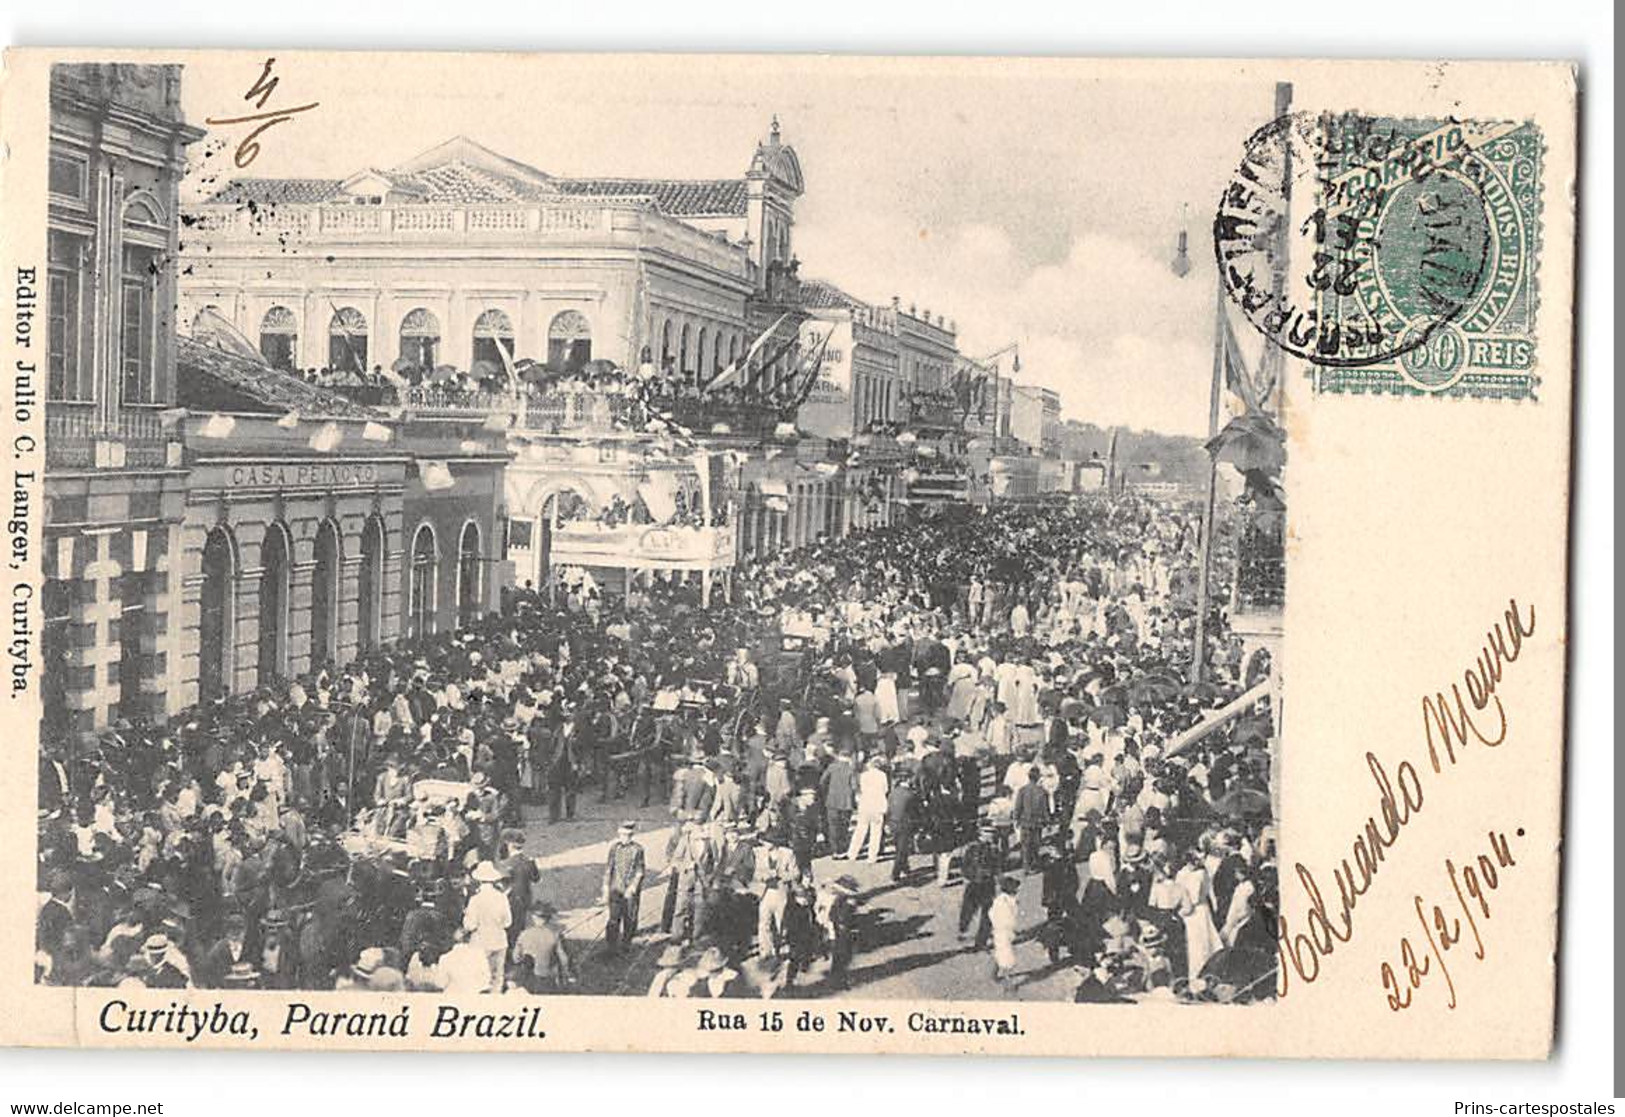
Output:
x=1205 y=551
x=1283 y=103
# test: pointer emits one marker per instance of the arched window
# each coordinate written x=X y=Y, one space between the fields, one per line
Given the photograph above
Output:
x=273 y=604
x=420 y=339
x=469 y=597
x=347 y=340
x=214 y=629
x=279 y=338
x=370 y=587
x=733 y=349
x=493 y=343
x=666 y=354
x=569 y=340
x=700 y=362
x=682 y=351
x=324 y=596
x=138 y=323
x=420 y=611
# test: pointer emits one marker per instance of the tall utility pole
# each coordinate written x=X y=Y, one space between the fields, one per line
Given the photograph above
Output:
x=1283 y=105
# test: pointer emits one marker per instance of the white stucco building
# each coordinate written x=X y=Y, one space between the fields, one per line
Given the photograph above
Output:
x=461 y=254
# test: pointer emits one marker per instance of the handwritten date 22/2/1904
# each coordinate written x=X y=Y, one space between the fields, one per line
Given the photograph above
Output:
x=1442 y=930
x=1452 y=721
x=248 y=149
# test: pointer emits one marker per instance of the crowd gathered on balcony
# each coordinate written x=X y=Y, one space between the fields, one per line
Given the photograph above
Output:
x=666 y=393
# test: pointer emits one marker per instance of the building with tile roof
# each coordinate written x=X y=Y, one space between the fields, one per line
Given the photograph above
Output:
x=462 y=255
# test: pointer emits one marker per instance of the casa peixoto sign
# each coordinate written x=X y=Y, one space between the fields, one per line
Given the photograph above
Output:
x=301 y=474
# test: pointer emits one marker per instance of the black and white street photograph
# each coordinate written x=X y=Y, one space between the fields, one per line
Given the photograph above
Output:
x=956 y=559
x=782 y=540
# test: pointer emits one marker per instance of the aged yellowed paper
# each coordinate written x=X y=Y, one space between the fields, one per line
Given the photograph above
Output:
x=929 y=555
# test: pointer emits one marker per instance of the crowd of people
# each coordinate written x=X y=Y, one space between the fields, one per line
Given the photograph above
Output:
x=981 y=699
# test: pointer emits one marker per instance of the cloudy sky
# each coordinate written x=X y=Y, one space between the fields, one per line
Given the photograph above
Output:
x=1036 y=204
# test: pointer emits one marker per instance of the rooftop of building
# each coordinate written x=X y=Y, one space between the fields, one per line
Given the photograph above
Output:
x=821 y=294
x=464 y=172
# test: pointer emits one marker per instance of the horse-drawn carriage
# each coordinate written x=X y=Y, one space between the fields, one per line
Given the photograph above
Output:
x=389 y=827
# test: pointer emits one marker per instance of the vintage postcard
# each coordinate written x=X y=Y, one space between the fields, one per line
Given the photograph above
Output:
x=784 y=553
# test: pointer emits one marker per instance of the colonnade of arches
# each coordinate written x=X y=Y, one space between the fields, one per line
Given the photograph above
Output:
x=701 y=349
x=351 y=344
x=225 y=578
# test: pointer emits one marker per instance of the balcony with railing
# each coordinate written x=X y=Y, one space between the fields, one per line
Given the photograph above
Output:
x=273 y=228
x=1260 y=586
x=934 y=409
x=586 y=409
x=752 y=417
x=543 y=410
x=78 y=436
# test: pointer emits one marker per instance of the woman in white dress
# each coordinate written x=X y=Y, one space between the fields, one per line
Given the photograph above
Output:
x=1241 y=910
x=1024 y=711
x=1005 y=680
x=981 y=702
x=886 y=699
x=1196 y=912
x=961 y=690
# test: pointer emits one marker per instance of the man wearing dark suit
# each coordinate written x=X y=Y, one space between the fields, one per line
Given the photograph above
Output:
x=932 y=660
x=839 y=787
x=561 y=774
x=231 y=949
x=980 y=865
x=420 y=701
x=55 y=782
x=1032 y=814
x=900 y=815
x=57 y=914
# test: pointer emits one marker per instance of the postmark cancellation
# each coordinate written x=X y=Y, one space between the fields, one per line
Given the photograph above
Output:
x=1411 y=251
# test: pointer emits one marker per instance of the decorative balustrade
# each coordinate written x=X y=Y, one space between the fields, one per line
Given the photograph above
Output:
x=427 y=219
x=416 y=222
x=428 y=223
x=78 y=437
x=556 y=411
x=578 y=409
x=704 y=414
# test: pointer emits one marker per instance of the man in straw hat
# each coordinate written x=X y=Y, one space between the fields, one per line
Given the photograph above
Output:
x=487 y=919
x=669 y=965
x=624 y=873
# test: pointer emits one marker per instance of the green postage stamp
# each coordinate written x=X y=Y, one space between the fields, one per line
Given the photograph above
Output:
x=1411 y=270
